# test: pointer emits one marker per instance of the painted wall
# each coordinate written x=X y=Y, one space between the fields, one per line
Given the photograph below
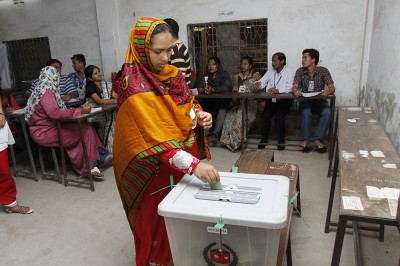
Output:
x=335 y=28
x=382 y=92
x=100 y=29
x=71 y=27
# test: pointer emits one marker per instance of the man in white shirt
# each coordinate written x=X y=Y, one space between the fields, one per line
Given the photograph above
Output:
x=277 y=80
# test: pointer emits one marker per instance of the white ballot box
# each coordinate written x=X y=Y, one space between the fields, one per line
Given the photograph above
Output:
x=253 y=209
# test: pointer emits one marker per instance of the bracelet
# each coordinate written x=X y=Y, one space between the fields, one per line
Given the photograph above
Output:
x=1 y=114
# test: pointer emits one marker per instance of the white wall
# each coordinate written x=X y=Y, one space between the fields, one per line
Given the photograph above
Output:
x=335 y=28
x=71 y=27
x=384 y=68
x=100 y=29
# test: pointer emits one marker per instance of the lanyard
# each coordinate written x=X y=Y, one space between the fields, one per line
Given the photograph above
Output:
x=278 y=80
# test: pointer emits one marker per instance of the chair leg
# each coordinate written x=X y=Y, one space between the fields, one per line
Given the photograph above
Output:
x=14 y=161
x=40 y=151
x=53 y=153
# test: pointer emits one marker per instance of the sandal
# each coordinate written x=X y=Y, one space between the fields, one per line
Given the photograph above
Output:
x=96 y=173
x=304 y=145
x=109 y=158
x=18 y=209
x=320 y=147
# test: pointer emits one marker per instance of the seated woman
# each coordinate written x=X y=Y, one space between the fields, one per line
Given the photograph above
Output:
x=232 y=131
x=96 y=94
x=215 y=80
x=45 y=106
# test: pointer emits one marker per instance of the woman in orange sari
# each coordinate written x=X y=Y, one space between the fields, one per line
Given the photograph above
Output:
x=159 y=132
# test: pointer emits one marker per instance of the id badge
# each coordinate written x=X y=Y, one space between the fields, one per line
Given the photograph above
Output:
x=311 y=86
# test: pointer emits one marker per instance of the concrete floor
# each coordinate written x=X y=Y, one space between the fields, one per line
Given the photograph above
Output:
x=74 y=226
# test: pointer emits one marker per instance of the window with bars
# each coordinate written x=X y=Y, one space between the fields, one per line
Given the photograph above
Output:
x=230 y=41
x=26 y=58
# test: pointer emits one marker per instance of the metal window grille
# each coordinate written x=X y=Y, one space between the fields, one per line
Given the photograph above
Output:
x=230 y=41
x=26 y=58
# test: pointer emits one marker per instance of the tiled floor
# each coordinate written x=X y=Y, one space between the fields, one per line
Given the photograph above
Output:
x=74 y=226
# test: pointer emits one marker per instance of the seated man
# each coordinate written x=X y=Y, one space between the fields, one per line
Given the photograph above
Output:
x=68 y=90
x=78 y=76
x=277 y=80
x=311 y=78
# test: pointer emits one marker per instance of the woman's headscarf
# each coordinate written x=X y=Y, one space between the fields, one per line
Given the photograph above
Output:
x=153 y=117
x=49 y=79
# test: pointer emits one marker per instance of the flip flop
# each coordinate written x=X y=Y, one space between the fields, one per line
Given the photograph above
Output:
x=321 y=148
x=18 y=209
x=304 y=145
x=96 y=173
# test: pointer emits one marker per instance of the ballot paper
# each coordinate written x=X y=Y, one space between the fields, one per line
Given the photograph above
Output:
x=310 y=94
x=20 y=111
x=382 y=193
x=352 y=203
x=95 y=109
x=377 y=154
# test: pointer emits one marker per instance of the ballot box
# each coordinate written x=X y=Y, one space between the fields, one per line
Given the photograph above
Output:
x=238 y=225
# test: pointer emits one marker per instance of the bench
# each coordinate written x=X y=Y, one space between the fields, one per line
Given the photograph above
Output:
x=261 y=162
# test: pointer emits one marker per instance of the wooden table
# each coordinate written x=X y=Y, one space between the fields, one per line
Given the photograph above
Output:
x=246 y=96
x=105 y=108
x=358 y=130
x=262 y=162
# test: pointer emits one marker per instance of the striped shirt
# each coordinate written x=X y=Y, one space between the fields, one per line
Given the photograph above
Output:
x=66 y=85
x=181 y=59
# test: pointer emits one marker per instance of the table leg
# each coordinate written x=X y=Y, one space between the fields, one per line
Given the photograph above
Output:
x=332 y=192
x=356 y=241
x=243 y=125
x=331 y=126
x=60 y=140
x=333 y=144
x=28 y=146
x=337 y=249
x=86 y=156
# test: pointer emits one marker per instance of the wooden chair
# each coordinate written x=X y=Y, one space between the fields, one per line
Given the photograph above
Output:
x=52 y=175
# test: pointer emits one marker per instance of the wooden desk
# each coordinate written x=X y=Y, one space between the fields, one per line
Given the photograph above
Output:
x=360 y=129
x=246 y=96
x=21 y=119
x=261 y=162
x=105 y=108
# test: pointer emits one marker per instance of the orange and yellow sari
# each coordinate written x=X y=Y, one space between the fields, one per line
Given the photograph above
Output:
x=153 y=118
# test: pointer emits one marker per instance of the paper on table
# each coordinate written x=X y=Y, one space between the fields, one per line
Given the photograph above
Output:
x=383 y=193
x=95 y=109
x=391 y=193
x=310 y=94
x=20 y=111
x=374 y=193
x=393 y=206
x=352 y=203
x=73 y=100
x=377 y=154
x=390 y=165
